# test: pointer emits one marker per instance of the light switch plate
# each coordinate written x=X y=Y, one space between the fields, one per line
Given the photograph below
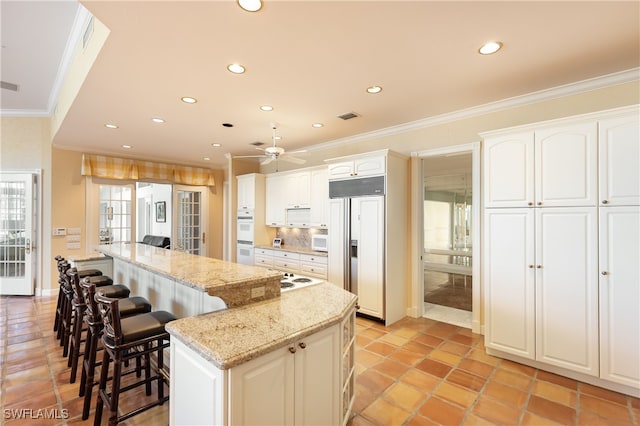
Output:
x=74 y=231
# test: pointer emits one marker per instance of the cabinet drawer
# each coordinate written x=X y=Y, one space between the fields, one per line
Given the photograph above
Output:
x=286 y=255
x=314 y=269
x=263 y=252
x=286 y=264
x=263 y=261
x=310 y=258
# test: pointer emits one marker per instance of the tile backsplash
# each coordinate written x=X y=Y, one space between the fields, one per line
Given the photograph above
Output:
x=298 y=237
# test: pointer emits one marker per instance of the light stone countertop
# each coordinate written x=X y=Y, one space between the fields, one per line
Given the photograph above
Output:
x=87 y=257
x=234 y=283
x=294 y=249
x=234 y=336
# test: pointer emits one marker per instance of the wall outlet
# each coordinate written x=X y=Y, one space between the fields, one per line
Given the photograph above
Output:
x=257 y=292
x=59 y=231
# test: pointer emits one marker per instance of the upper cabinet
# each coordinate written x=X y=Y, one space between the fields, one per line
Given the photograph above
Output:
x=304 y=191
x=358 y=167
x=550 y=167
x=250 y=188
x=619 y=157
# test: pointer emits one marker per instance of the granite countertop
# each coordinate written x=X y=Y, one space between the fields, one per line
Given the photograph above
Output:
x=87 y=257
x=236 y=284
x=295 y=249
x=234 y=336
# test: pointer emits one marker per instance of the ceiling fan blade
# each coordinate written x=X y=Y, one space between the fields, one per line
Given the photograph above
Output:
x=266 y=161
x=248 y=156
x=294 y=160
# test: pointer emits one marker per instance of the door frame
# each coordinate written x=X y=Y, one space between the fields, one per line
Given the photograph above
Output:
x=417 y=224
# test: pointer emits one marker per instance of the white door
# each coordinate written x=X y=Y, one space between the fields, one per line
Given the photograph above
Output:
x=17 y=234
x=620 y=295
x=567 y=288
x=317 y=378
x=367 y=217
x=509 y=275
x=262 y=390
x=619 y=156
x=509 y=171
x=190 y=219
x=566 y=166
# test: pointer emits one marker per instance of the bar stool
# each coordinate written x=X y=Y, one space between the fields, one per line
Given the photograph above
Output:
x=124 y=339
x=128 y=307
x=68 y=317
x=139 y=305
x=86 y=273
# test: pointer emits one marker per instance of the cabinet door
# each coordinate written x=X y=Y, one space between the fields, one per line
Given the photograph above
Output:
x=246 y=192
x=262 y=390
x=509 y=276
x=275 y=202
x=508 y=170
x=369 y=166
x=298 y=189
x=619 y=156
x=317 y=378
x=319 y=197
x=336 y=242
x=567 y=288
x=367 y=216
x=566 y=166
x=340 y=170
x=620 y=295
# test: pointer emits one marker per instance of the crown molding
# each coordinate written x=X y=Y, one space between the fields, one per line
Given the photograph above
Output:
x=516 y=101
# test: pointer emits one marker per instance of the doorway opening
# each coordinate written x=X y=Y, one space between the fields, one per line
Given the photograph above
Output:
x=448 y=236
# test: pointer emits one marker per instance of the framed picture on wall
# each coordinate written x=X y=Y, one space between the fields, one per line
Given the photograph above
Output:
x=161 y=211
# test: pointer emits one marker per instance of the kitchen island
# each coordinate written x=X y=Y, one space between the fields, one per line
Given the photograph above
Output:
x=268 y=358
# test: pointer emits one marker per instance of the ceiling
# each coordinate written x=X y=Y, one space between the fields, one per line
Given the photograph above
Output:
x=310 y=60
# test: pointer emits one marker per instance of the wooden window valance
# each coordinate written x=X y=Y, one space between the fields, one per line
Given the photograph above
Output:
x=129 y=169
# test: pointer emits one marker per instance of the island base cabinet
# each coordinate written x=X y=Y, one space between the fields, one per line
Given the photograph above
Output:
x=298 y=384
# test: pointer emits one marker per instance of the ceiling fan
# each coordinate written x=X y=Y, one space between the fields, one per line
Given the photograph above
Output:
x=274 y=152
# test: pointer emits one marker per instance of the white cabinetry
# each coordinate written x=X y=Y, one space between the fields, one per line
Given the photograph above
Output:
x=314 y=266
x=619 y=159
x=288 y=261
x=319 y=197
x=247 y=190
x=620 y=295
x=275 y=200
x=292 y=385
x=554 y=166
x=561 y=274
x=369 y=166
x=298 y=190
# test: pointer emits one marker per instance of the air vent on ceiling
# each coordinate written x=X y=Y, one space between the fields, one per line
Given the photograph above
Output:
x=348 y=116
x=9 y=86
x=257 y=143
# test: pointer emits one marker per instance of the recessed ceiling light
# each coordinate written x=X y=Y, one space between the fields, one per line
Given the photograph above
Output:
x=188 y=100
x=490 y=47
x=236 y=68
x=250 y=5
x=110 y=126
x=216 y=145
x=317 y=125
x=374 y=89
x=157 y=120
x=207 y=159
x=266 y=108
x=126 y=146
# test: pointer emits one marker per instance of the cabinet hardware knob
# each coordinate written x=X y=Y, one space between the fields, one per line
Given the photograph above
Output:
x=530 y=203
x=302 y=345
x=539 y=203
x=539 y=266
x=605 y=273
x=605 y=202
x=531 y=266
x=292 y=349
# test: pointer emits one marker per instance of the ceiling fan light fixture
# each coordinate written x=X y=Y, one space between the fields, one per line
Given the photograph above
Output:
x=490 y=47
x=250 y=5
x=236 y=68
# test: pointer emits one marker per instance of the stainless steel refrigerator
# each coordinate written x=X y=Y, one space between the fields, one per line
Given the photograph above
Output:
x=356 y=240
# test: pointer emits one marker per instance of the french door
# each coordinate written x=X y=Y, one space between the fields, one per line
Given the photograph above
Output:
x=190 y=219
x=17 y=233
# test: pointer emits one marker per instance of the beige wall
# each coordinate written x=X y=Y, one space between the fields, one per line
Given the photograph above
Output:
x=25 y=145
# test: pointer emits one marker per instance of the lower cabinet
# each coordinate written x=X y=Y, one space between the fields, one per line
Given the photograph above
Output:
x=287 y=261
x=301 y=384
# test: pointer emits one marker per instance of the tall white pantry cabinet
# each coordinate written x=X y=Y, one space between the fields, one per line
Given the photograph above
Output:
x=561 y=246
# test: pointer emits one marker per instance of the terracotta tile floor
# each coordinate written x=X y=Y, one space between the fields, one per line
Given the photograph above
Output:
x=417 y=372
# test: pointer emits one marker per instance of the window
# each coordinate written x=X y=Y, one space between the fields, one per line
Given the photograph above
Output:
x=115 y=214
